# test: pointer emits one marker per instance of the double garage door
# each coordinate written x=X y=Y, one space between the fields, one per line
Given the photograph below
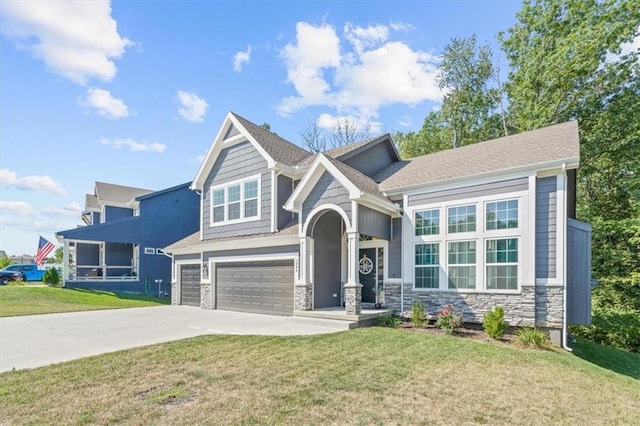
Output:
x=258 y=287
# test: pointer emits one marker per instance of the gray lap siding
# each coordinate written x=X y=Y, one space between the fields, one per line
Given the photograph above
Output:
x=234 y=163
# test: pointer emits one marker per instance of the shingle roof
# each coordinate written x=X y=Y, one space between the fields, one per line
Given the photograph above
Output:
x=281 y=150
x=91 y=202
x=110 y=193
x=342 y=151
x=553 y=143
x=193 y=240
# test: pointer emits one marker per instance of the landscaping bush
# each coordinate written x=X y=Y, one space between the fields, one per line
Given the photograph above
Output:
x=533 y=338
x=494 y=324
x=51 y=276
x=614 y=327
x=388 y=321
x=418 y=314
x=449 y=320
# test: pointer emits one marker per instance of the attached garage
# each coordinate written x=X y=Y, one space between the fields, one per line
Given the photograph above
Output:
x=190 y=285
x=264 y=287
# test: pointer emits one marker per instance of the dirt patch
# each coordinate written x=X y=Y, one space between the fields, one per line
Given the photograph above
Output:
x=167 y=396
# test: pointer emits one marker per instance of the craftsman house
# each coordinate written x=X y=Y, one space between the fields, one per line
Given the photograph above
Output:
x=120 y=248
x=286 y=232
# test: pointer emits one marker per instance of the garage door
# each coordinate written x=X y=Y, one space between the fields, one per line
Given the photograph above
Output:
x=259 y=287
x=190 y=285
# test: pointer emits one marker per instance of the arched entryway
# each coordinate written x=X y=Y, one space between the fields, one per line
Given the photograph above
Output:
x=327 y=231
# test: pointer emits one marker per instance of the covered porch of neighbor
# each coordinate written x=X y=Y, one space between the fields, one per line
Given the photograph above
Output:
x=100 y=261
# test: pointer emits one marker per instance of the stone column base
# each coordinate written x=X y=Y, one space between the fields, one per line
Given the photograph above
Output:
x=353 y=298
x=302 y=297
x=205 y=296
x=174 y=293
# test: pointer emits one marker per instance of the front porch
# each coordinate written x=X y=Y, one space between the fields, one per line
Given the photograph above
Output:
x=366 y=317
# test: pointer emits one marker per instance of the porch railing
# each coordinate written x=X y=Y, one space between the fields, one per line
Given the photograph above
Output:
x=102 y=272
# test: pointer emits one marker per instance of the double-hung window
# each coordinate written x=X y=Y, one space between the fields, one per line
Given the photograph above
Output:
x=427 y=265
x=502 y=264
x=462 y=264
x=236 y=201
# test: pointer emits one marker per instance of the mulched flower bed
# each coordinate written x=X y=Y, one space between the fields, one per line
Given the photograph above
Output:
x=467 y=331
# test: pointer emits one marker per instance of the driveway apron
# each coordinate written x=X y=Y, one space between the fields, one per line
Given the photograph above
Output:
x=39 y=340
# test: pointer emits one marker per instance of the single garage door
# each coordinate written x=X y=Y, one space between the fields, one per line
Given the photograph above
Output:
x=190 y=285
x=259 y=287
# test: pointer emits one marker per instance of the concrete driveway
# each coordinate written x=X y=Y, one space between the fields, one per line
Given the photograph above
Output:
x=38 y=340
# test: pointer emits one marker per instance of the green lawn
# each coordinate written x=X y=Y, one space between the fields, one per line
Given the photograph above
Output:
x=362 y=376
x=29 y=300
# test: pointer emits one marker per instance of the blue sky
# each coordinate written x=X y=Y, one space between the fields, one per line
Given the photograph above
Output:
x=133 y=93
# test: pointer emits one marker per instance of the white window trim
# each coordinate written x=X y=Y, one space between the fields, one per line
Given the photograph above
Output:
x=226 y=186
x=149 y=250
x=518 y=263
x=480 y=235
x=441 y=274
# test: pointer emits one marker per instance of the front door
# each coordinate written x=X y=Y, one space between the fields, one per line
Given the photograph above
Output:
x=368 y=270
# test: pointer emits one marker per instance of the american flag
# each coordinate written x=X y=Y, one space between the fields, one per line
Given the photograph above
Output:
x=44 y=248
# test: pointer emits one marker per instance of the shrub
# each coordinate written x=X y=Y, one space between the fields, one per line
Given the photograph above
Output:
x=449 y=320
x=494 y=324
x=418 y=314
x=388 y=321
x=533 y=338
x=51 y=276
x=614 y=327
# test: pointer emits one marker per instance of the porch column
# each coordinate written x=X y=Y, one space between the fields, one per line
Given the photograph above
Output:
x=66 y=271
x=353 y=288
x=303 y=294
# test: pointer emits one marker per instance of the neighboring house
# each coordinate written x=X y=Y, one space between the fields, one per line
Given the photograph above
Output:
x=283 y=231
x=120 y=249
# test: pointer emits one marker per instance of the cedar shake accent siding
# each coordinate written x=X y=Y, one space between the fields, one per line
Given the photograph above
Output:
x=327 y=191
x=546 y=222
x=233 y=163
x=493 y=188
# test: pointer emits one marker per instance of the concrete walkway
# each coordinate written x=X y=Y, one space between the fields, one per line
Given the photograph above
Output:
x=38 y=340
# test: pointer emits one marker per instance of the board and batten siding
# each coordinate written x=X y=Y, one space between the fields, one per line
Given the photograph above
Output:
x=374 y=223
x=395 y=249
x=327 y=191
x=233 y=163
x=546 y=223
x=578 y=272
x=493 y=188
x=285 y=188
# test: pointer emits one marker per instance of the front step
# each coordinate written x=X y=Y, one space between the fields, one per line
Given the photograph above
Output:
x=366 y=318
x=322 y=322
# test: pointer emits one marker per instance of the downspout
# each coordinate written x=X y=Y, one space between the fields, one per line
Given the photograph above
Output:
x=565 y=346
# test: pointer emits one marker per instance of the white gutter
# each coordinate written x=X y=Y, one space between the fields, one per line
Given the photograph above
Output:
x=565 y=346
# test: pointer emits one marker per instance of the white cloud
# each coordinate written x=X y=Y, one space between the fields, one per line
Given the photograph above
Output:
x=192 y=107
x=241 y=58
x=356 y=82
x=133 y=145
x=632 y=46
x=316 y=49
x=18 y=208
x=10 y=179
x=401 y=26
x=105 y=104
x=362 y=38
x=76 y=39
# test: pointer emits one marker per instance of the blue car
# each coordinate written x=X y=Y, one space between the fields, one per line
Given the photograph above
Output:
x=29 y=271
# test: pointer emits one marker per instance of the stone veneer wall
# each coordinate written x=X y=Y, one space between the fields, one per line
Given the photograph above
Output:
x=549 y=306
x=205 y=296
x=174 y=293
x=519 y=309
